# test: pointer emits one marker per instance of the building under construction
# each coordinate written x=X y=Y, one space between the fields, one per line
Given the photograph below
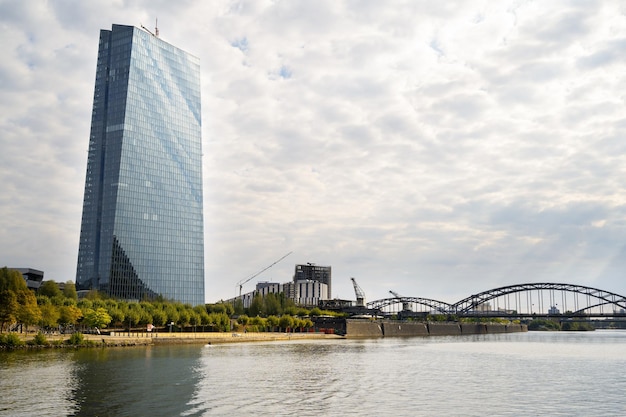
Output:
x=310 y=284
x=312 y=272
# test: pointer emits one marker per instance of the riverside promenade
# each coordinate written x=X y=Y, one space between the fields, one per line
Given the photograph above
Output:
x=129 y=339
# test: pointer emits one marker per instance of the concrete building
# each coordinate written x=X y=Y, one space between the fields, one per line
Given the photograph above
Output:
x=142 y=224
x=309 y=293
x=313 y=272
x=310 y=285
x=33 y=277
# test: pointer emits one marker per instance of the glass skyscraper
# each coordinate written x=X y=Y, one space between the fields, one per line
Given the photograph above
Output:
x=142 y=224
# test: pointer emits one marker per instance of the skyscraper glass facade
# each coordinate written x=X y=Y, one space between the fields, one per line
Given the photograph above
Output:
x=142 y=225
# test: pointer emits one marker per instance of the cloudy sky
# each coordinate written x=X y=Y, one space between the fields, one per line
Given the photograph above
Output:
x=437 y=149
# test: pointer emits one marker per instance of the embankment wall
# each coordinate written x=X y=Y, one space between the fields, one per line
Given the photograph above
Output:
x=391 y=328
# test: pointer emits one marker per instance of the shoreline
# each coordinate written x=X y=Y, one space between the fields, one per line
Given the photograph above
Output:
x=118 y=339
x=349 y=329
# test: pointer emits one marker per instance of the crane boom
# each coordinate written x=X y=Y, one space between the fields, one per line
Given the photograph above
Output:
x=405 y=305
x=246 y=280
x=360 y=294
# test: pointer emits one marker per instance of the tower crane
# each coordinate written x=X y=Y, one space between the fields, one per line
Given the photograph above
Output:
x=405 y=304
x=241 y=283
x=360 y=294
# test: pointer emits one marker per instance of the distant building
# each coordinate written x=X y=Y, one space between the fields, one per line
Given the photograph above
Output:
x=265 y=288
x=484 y=307
x=309 y=293
x=553 y=310
x=33 y=277
x=142 y=233
x=303 y=293
x=310 y=286
x=312 y=272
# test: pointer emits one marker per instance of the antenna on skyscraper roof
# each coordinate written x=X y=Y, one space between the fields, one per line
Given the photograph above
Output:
x=156 y=27
x=147 y=30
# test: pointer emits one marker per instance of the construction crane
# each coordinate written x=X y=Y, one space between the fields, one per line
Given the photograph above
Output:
x=241 y=283
x=405 y=305
x=360 y=294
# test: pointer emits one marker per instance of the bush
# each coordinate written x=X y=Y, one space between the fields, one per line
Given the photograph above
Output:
x=76 y=339
x=543 y=325
x=10 y=340
x=576 y=326
x=39 y=340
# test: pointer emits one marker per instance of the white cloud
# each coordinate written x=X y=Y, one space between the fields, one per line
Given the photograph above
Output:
x=442 y=148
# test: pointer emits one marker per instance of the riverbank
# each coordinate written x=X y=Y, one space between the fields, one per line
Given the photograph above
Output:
x=205 y=338
x=120 y=339
x=335 y=329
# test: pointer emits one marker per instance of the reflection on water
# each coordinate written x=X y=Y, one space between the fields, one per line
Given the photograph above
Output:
x=33 y=383
x=511 y=374
x=152 y=381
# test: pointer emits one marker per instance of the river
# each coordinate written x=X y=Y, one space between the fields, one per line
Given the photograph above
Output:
x=518 y=374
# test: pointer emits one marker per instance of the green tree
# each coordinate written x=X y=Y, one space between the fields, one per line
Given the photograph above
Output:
x=69 y=314
x=219 y=321
x=216 y=308
x=184 y=317
x=117 y=316
x=50 y=315
x=223 y=322
x=258 y=322
x=287 y=303
x=84 y=304
x=146 y=317
x=159 y=317
x=256 y=306
x=97 y=318
x=285 y=322
x=50 y=289
x=93 y=295
x=13 y=294
x=230 y=309
x=543 y=324
x=302 y=312
x=238 y=307
x=28 y=312
x=8 y=308
x=272 y=322
x=133 y=316
x=194 y=318
x=298 y=323
x=70 y=290
x=308 y=323
x=271 y=305
x=172 y=314
x=243 y=320
x=315 y=311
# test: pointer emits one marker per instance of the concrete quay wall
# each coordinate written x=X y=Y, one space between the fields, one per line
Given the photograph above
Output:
x=444 y=329
x=392 y=328
x=364 y=328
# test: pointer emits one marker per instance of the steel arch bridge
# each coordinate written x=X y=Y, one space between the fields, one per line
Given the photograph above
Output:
x=440 y=307
x=594 y=296
x=519 y=299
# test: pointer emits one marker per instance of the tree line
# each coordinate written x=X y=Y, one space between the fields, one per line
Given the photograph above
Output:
x=51 y=308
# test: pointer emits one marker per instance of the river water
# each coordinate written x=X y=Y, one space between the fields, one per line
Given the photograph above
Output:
x=521 y=374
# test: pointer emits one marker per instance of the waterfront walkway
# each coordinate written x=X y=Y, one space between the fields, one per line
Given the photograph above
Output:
x=124 y=338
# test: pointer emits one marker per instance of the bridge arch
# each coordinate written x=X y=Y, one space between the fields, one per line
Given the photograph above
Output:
x=437 y=306
x=594 y=297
